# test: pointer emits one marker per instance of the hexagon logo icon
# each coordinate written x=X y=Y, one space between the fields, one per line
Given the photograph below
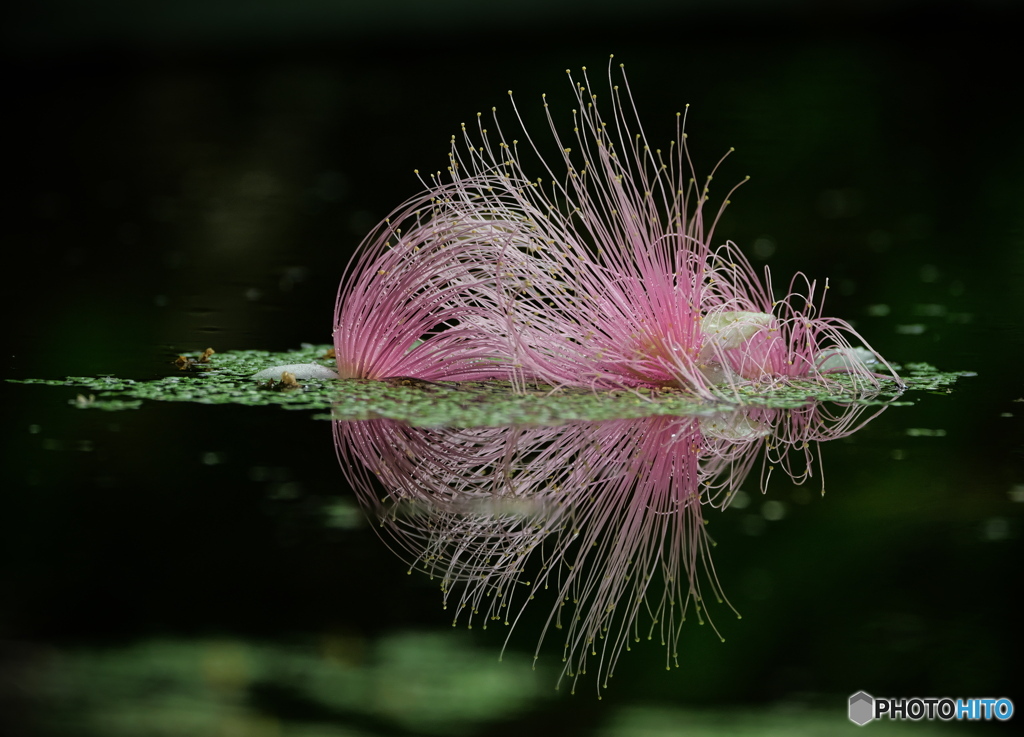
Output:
x=862 y=707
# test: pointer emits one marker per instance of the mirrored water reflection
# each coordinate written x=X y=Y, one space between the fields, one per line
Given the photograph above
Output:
x=605 y=523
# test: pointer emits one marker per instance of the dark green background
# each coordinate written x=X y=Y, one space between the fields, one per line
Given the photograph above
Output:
x=194 y=174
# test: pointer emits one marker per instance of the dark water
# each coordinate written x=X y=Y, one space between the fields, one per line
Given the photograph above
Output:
x=184 y=569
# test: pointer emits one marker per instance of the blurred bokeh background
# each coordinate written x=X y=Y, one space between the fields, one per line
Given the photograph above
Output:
x=192 y=174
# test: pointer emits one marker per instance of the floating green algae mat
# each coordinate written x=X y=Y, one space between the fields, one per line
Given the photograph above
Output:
x=226 y=378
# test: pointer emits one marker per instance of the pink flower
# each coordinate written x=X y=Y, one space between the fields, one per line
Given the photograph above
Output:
x=399 y=311
x=600 y=273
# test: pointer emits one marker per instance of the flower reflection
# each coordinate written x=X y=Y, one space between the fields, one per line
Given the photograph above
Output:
x=607 y=518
